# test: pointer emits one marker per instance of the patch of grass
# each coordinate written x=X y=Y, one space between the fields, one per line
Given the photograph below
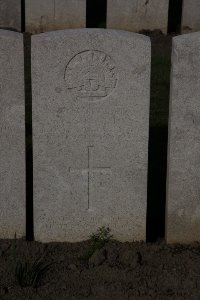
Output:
x=97 y=240
x=29 y=274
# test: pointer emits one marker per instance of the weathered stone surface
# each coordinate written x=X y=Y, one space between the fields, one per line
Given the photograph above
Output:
x=40 y=15
x=183 y=201
x=10 y=14
x=136 y=15
x=12 y=135
x=70 y=14
x=47 y=15
x=90 y=133
x=191 y=16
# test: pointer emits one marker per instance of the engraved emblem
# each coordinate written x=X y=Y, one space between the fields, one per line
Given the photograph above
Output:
x=91 y=75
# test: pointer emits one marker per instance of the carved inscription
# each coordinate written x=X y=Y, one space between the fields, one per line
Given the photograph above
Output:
x=91 y=75
x=89 y=170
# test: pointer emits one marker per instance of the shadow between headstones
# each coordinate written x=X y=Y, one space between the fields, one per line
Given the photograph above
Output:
x=175 y=16
x=29 y=141
x=96 y=11
x=158 y=136
x=23 y=16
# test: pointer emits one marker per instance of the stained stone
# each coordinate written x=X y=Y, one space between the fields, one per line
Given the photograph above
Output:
x=90 y=133
x=137 y=15
x=70 y=14
x=191 y=16
x=40 y=15
x=10 y=14
x=183 y=199
x=47 y=15
x=12 y=137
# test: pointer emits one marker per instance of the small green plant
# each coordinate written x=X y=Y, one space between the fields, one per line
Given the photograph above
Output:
x=97 y=240
x=30 y=274
x=101 y=237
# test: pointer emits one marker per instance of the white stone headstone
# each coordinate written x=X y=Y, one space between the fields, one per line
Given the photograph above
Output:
x=40 y=15
x=90 y=133
x=191 y=16
x=137 y=15
x=183 y=198
x=70 y=14
x=10 y=14
x=47 y=15
x=12 y=135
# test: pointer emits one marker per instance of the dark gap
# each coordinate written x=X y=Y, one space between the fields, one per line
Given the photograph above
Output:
x=23 y=18
x=158 y=137
x=156 y=184
x=29 y=141
x=96 y=11
x=175 y=16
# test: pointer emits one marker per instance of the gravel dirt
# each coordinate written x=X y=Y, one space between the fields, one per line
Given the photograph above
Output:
x=122 y=271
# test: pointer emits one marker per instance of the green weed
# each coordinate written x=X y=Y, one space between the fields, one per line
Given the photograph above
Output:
x=101 y=237
x=97 y=241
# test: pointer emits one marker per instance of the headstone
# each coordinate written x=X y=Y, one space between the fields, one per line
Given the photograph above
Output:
x=191 y=16
x=40 y=15
x=90 y=133
x=137 y=15
x=47 y=15
x=12 y=137
x=10 y=14
x=183 y=200
x=70 y=14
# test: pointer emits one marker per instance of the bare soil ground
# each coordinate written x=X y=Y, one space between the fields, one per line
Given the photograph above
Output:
x=116 y=271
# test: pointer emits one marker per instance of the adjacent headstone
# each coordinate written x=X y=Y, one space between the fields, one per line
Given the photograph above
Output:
x=137 y=15
x=10 y=14
x=70 y=14
x=191 y=16
x=183 y=200
x=90 y=133
x=12 y=137
x=47 y=15
x=40 y=15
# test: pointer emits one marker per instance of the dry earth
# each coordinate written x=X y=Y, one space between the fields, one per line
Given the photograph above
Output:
x=116 y=271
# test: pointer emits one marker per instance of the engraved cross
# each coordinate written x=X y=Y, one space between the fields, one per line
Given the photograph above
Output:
x=89 y=170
